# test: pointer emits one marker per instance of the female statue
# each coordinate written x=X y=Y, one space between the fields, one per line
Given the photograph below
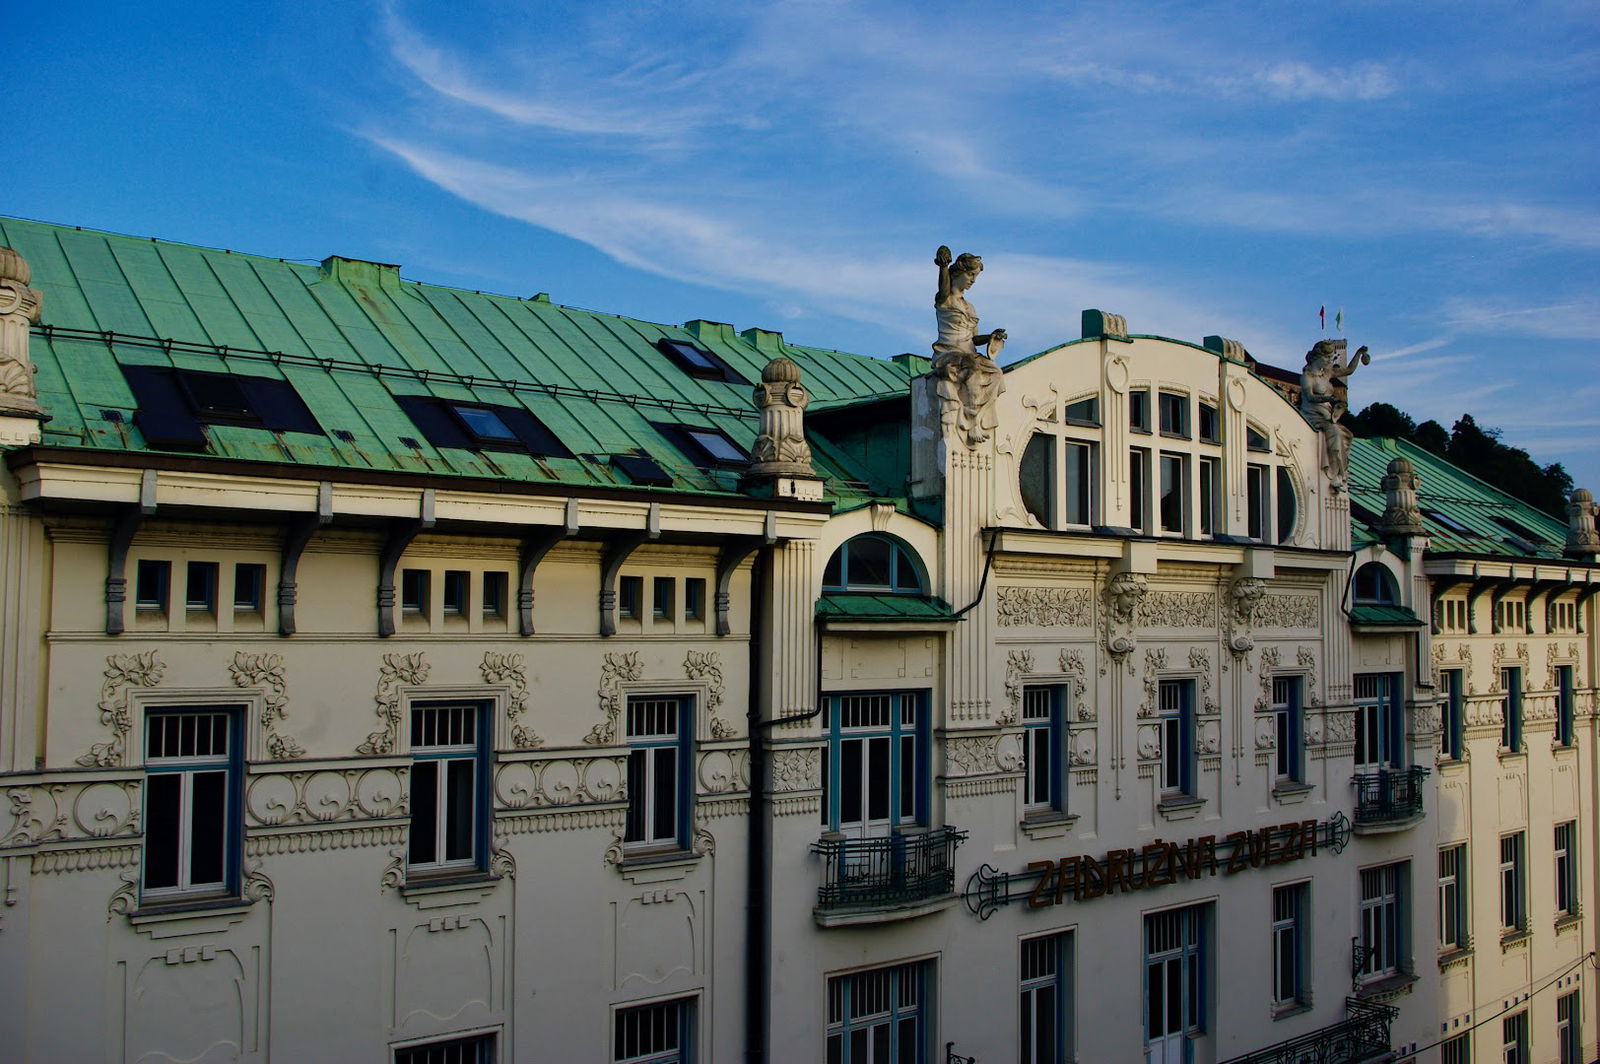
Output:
x=967 y=381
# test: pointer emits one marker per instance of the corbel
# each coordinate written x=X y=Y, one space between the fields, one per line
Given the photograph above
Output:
x=1438 y=588
x=1543 y=589
x=1589 y=591
x=728 y=561
x=401 y=533
x=294 y=545
x=617 y=551
x=534 y=547
x=122 y=532
x=1474 y=593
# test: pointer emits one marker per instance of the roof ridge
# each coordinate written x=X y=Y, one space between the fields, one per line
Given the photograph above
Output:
x=1441 y=460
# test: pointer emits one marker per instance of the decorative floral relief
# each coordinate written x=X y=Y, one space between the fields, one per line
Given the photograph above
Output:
x=1209 y=737
x=618 y=668
x=1077 y=681
x=1148 y=742
x=561 y=781
x=397 y=669
x=1083 y=752
x=509 y=669
x=1044 y=607
x=1200 y=660
x=266 y=670
x=722 y=771
x=49 y=812
x=1288 y=611
x=1019 y=663
x=325 y=797
x=122 y=673
x=1267 y=733
x=1154 y=661
x=1339 y=726
x=973 y=755
x=796 y=768
x=1270 y=657
x=1554 y=658
x=706 y=665
x=1178 y=609
x=1307 y=659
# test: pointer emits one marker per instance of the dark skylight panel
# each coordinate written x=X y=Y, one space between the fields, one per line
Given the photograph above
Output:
x=481 y=426
x=717 y=445
x=1448 y=523
x=697 y=361
x=173 y=404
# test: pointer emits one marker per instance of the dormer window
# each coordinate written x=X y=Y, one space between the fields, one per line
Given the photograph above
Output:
x=173 y=404
x=1374 y=586
x=873 y=563
x=481 y=426
x=697 y=361
x=707 y=448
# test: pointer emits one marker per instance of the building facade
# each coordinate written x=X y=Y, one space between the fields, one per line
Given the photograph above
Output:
x=399 y=672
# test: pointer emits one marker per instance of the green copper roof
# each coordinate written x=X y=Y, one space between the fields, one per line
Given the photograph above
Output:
x=854 y=606
x=1384 y=616
x=350 y=336
x=1462 y=514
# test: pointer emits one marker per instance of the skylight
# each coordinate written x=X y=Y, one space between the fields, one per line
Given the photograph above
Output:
x=484 y=423
x=1448 y=523
x=717 y=445
x=697 y=361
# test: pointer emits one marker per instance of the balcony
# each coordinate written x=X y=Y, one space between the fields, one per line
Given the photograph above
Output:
x=1363 y=1035
x=1389 y=799
x=909 y=873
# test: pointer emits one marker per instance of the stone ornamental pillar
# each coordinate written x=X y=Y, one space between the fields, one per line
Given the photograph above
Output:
x=20 y=415
x=1401 y=514
x=780 y=462
x=1582 y=539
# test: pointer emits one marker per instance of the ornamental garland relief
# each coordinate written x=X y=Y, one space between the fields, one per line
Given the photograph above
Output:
x=796 y=768
x=1270 y=658
x=1019 y=663
x=617 y=669
x=706 y=666
x=71 y=811
x=123 y=672
x=1287 y=611
x=1044 y=607
x=1200 y=660
x=397 y=669
x=509 y=669
x=325 y=797
x=266 y=670
x=1178 y=609
x=1154 y=661
x=1076 y=671
x=562 y=781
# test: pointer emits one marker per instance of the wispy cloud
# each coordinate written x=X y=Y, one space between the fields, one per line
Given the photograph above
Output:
x=1576 y=319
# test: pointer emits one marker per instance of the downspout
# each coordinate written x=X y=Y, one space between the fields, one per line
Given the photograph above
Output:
x=758 y=859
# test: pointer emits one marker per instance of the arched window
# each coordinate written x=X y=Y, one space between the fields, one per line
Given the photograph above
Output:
x=874 y=563
x=1375 y=586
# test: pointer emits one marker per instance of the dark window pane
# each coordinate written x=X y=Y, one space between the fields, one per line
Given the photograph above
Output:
x=833 y=573
x=666 y=794
x=484 y=424
x=162 y=799
x=905 y=573
x=878 y=779
x=850 y=797
x=209 y=817
x=458 y=838
x=1036 y=476
x=869 y=562
x=633 y=831
x=424 y=812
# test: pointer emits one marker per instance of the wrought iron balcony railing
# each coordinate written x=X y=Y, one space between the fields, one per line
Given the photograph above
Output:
x=1389 y=796
x=905 y=867
x=1362 y=1035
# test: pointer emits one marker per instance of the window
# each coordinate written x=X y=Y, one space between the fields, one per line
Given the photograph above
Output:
x=1513 y=882
x=630 y=590
x=1374 y=585
x=1564 y=705
x=249 y=586
x=661 y=596
x=1210 y=426
x=877 y=763
x=1256 y=493
x=661 y=1033
x=1563 y=617
x=1454 y=717
x=481 y=426
x=1290 y=904
x=486 y=426
x=414 y=590
x=1288 y=511
x=694 y=599
x=1566 y=869
x=200 y=587
x=1457 y=1050
x=1174 y=493
x=1174 y=410
x=150 y=585
x=879 y=1015
x=1043 y=713
x=658 y=777
x=1453 y=927
x=1453 y=615
x=1177 y=738
x=1139 y=409
x=1511 y=615
x=1514 y=1038
x=1511 y=710
x=1378 y=720
x=1383 y=921
x=1045 y=999
x=706 y=447
x=697 y=361
x=1080 y=478
x=456 y=584
x=1569 y=1035
x=192 y=809
x=873 y=563
x=1256 y=440
x=1083 y=412
x=478 y=1049
x=495 y=584
x=1210 y=495
x=1446 y=522
x=1036 y=478
x=1288 y=764
x=449 y=787
x=1138 y=488
x=1174 y=982
x=174 y=404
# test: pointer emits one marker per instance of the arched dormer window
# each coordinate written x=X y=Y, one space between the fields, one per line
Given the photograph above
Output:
x=1375 y=586
x=874 y=563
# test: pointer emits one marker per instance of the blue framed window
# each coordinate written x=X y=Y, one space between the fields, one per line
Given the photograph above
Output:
x=1287 y=702
x=1564 y=704
x=1454 y=930
x=880 y=1015
x=1454 y=718
x=1511 y=710
x=1385 y=921
x=449 y=787
x=874 y=563
x=1380 y=738
x=1044 y=1009
x=1374 y=586
x=476 y=1049
x=661 y=1032
x=1566 y=841
x=1044 y=712
x=660 y=734
x=877 y=774
x=1174 y=982
x=1569 y=1030
x=194 y=772
x=1290 y=906
x=1177 y=775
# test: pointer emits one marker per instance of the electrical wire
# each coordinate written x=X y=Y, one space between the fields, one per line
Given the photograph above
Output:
x=1413 y=1055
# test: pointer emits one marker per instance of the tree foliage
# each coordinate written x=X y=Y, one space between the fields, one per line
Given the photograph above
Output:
x=1477 y=450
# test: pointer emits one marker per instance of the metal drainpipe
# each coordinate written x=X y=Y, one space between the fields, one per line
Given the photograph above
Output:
x=758 y=861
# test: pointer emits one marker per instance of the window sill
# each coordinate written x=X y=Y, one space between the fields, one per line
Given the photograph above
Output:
x=1511 y=755
x=1568 y=922
x=1386 y=987
x=1138 y=430
x=195 y=917
x=1292 y=793
x=1290 y=1009
x=1518 y=938
x=1455 y=957
x=1048 y=824
x=1180 y=807
x=1166 y=435
x=657 y=866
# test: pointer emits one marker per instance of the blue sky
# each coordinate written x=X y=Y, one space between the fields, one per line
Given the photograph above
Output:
x=1431 y=168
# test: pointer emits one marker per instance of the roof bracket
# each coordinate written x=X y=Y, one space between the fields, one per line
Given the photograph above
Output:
x=535 y=546
x=1474 y=593
x=401 y=533
x=728 y=561
x=128 y=522
x=294 y=545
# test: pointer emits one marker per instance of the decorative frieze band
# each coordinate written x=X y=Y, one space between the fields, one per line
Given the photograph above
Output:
x=1044 y=607
x=1288 y=611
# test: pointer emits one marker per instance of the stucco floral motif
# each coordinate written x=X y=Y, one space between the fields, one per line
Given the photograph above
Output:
x=706 y=665
x=122 y=673
x=1148 y=742
x=1044 y=607
x=1019 y=663
x=1287 y=611
x=1266 y=733
x=561 y=781
x=1209 y=739
x=796 y=769
x=618 y=668
x=973 y=755
x=1339 y=726
x=1178 y=609
x=1306 y=657
x=98 y=809
x=397 y=669
x=1154 y=661
x=1200 y=660
x=1077 y=681
x=1083 y=747
x=324 y=797
x=509 y=669
x=1270 y=657
x=266 y=670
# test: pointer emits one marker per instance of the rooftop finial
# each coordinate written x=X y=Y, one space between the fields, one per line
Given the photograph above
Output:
x=19 y=308
x=781 y=450
x=1582 y=539
x=1401 y=514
